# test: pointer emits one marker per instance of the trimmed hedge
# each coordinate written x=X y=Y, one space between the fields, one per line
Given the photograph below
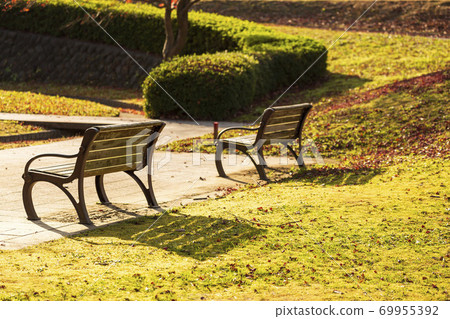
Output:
x=209 y=86
x=217 y=86
x=254 y=59
x=134 y=26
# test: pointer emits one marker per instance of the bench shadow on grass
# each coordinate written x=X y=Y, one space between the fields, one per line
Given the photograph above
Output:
x=198 y=237
x=333 y=176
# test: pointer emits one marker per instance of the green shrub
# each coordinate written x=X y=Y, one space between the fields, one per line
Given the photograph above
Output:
x=217 y=86
x=209 y=86
x=134 y=27
x=252 y=60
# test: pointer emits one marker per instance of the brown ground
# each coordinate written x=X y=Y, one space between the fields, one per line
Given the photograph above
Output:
x=426 y=18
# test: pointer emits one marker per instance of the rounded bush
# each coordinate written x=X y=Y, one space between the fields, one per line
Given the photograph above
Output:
x=208 y=86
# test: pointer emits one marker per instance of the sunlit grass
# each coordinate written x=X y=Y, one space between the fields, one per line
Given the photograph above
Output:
x=109 y=93
x=307 y=238
x=361 y=61
x=413 y=121
x=36 y=103
x=14 y=127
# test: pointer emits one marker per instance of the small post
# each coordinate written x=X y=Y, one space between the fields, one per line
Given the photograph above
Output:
x=216 y=130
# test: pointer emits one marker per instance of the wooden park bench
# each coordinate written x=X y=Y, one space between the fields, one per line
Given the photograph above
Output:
x=281 y=124
x=104 y=149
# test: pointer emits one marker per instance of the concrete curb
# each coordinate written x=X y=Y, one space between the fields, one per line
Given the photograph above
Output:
x=45 y=135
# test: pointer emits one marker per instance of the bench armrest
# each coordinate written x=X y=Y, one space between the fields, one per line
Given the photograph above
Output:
x=27 y=166
x=236 y=128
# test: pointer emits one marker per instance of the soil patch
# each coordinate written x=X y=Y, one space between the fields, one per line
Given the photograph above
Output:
x=426 y=18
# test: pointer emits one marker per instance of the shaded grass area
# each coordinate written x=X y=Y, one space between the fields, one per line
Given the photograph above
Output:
x=36 y=103
x=307 y=238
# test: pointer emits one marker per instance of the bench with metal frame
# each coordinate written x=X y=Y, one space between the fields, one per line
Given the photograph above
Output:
x=281 y=124
x=104 y=149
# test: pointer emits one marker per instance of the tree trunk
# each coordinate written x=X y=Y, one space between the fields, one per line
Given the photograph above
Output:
x=174 y=46
x=168 y=43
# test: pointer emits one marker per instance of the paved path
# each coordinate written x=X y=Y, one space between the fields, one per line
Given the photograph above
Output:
x=178 y=178
x=182 y=129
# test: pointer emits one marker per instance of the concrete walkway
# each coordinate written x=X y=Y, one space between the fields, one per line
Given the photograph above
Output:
x=177 y=178
x=181 y=129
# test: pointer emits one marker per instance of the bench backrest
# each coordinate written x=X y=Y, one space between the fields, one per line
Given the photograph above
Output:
x=116 y=148
x=283 y=122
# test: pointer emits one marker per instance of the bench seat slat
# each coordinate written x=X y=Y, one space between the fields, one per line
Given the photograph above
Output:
x=130 y=160
x=281 y=127
x=283 y=119
x=119 y=142
x=287 y=134
x=56 y=167
x=109 y=169
x=122 y=133
x=64 y=170
x=244 y=140
x=287 y=111
x=116 y=151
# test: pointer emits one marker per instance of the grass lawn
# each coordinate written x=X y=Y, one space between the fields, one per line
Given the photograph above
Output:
x=428 y=18
x=312 y=238
x=115 y=94
x=21 y=98
x=36 y=103
x=406 y=118
x=359 y=62
x=14 y=127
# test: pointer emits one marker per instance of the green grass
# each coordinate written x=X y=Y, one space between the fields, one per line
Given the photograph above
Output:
x=374 y=227
x=306 y=238
x=379 y=58
x=14 y=128
x=109 y=93
x=410 y=120
x=17 y=144
x=362 y=61
x=36 y=103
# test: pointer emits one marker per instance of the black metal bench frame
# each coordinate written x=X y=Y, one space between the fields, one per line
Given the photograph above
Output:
x=103 y=150
x=282 y=124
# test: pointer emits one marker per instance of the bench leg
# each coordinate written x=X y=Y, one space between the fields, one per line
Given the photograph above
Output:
x=80 y=206
x=28 y=201
x=298 y=157
x=100 y=187
x=219 y=150
x=259 y=166
x=148 y=192
x=82 y=212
